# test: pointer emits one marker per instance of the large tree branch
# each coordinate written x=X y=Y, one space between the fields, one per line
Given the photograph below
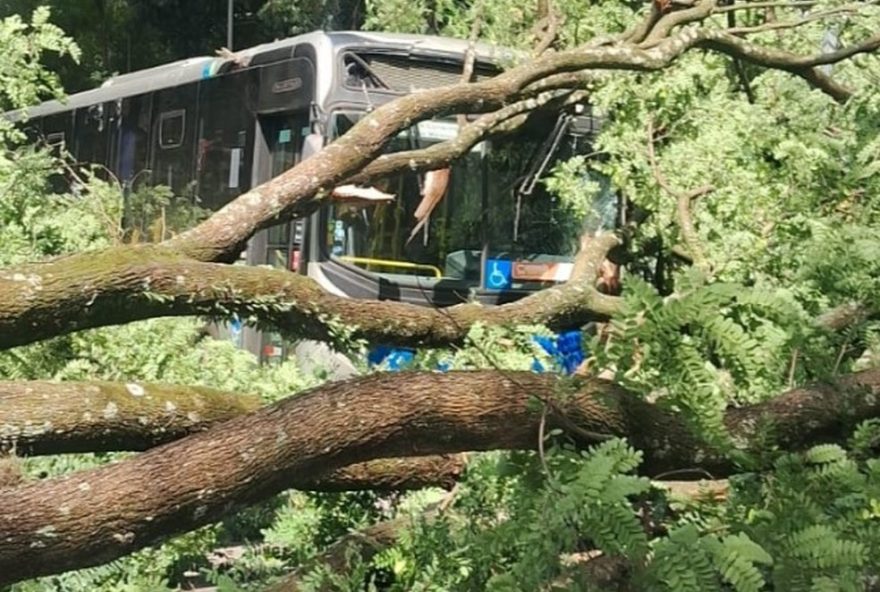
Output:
x=67 y=417
x=803 y=66
x=40 y=417
x=135 y=283
x=95 y=516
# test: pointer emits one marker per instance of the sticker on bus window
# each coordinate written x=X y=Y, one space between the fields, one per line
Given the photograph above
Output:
x=497 y=273
x=542 y=272
x=436 y=130
x=284 y=136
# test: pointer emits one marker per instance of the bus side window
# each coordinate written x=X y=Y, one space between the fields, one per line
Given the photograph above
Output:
x=90 y=136
x=171 y=129
x=174 y=138
x=132 y=152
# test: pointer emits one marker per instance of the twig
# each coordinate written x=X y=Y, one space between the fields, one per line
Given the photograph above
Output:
x=794 y=23
x=547 y=27
x=683 y=206
x=751 y=5
x=851 y=332
x=470 y=57
x=542 y=426
x=450 y=497
x=799 y=65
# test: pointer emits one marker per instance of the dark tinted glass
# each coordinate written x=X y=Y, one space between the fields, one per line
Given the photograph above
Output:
x=223 y=165
x=286 y=86
x=91 y=133
x=133 y=143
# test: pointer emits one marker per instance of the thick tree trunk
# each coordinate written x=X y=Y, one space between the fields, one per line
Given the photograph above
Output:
x=61 y=418
x=95 y=516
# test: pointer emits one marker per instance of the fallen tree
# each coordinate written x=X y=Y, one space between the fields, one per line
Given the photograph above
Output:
x=375 y=432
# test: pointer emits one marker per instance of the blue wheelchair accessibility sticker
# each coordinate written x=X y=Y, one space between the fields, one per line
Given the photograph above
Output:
x=497 y=274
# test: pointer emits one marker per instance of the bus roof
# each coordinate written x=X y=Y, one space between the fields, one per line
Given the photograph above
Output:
x=198 y=68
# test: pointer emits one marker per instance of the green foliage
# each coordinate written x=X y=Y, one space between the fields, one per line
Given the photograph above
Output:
x=841 y=261
x=23 y=79
x=517 y=527
x=703 y=348
x=520 y=522
x=816 y=515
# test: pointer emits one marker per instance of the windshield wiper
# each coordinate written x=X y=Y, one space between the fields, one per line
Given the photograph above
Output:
x=538 y=165
x=543 y=156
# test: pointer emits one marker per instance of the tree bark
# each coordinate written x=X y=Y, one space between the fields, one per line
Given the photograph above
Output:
x=67 y=417
x=392 y=474
x=70 y=417
x=95 y=516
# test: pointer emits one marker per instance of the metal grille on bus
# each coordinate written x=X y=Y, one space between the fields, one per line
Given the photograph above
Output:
x=403 y=75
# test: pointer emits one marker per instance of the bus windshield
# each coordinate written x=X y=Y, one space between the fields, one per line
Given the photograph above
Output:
x=481 y=215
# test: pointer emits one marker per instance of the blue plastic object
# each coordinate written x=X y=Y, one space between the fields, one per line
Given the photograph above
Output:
x=565 y=348
x=397 y=358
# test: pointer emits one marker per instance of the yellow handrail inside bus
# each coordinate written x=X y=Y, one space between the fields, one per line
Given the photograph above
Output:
x=392 y=263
